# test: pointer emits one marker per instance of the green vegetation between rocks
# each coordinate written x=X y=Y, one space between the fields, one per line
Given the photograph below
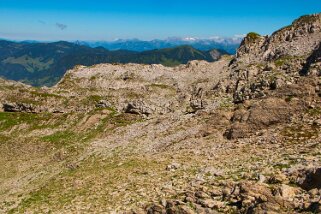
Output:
x=306 y=19
x=9 y=119
x=61 y=137
x=252 y=36
x=88 y=178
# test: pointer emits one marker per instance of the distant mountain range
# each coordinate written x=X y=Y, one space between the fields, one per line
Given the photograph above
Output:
x=43 y=64
x=228 y=44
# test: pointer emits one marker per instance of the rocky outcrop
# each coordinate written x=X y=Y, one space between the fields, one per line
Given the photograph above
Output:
x=307 y=178
x=147 y=89
x=245 y=197
x=103 y=104
x=313 y=63
x=216 y=54
x=138 y=107
x=260 y=115
x=251 y=47
x=266 y=63
x=18 y=107
x=298 y=39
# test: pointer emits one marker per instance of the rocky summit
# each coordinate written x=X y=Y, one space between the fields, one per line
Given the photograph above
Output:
x=239 y=135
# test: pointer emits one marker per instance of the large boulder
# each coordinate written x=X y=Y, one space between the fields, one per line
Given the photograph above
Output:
x=313 y=63
x=259 y=115
x=18 y=107
x=309 y=178
x=138 y=107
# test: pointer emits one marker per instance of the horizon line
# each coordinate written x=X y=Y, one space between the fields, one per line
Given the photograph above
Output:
x=186 y=39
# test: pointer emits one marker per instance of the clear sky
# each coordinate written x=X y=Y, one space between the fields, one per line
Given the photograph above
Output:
x=145 y=19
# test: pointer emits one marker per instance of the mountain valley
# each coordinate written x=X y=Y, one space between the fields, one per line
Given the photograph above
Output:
x=44 y=64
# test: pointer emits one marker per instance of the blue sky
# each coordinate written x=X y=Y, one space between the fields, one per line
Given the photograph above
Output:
x=145 y=19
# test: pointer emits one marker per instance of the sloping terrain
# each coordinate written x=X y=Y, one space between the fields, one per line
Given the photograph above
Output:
x=42 y=64
x=240 y=135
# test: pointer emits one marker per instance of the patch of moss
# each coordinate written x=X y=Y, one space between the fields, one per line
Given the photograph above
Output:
x=162 y=86
x=92 y=99
x=314 y=111
x=60 y=137
x=95 y=98
x=252 y=36
x=226 y=103
x=34 y=121
x=44 y=94
x=281 y=61
x=286 y=59
x=10 y=119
